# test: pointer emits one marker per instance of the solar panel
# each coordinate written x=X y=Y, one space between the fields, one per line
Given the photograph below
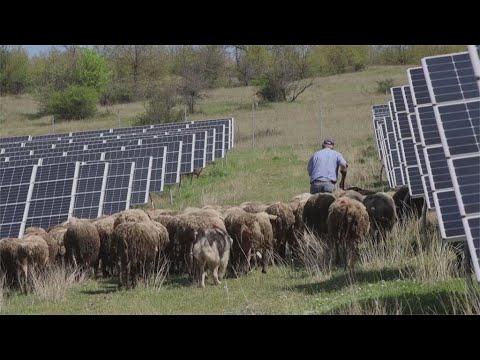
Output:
x=414 y=181
x=90 y=189
x=418 y=86
x=472 y=231
x=200 y=150
x=52 y=195
x=465 y=173
x=380 y=110
x=398 y=101
x=451 y=226
x=459 y=126
x=15 y=188
x=450 y=77
x=437 y=168
x=118 y=188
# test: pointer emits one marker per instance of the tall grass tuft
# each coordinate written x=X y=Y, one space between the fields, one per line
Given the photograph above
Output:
x=155 y=279
x=52 y=284
x=311 y=254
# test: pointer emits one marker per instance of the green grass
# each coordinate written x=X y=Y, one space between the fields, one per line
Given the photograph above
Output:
x=398 y=281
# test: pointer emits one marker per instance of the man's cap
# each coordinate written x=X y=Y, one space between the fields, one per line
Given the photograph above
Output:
x=329 y=141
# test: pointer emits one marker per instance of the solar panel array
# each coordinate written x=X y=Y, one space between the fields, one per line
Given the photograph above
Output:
x=47 y=179
x=438 y=135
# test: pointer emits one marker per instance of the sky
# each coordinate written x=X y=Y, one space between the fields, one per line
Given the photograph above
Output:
x=36 y=49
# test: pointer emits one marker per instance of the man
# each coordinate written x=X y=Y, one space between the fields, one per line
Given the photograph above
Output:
x=323 y=168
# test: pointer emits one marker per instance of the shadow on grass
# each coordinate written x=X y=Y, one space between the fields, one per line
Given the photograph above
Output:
x=431 y=303
x=342 y=280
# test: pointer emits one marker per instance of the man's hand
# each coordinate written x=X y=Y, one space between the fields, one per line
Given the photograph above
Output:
x=343 y=171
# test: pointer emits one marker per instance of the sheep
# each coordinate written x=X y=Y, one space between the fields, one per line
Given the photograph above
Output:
x=53 y=247
x=283 y=228
x=253 y=206
x=32 y=254
x=265 y=247
x=9 y=261
x=348 y=224
x=82 y=244
x=315 y=213
x=106 y=255
x=406 y=205
x=361 y=191
x=245 y=230
x=58 y=232
x=212 y=250
x=186 y=228
x=301 y=197
x=135 y=215
x=297 y=205
x=138 y=246
x=382 y=213
x=352 y=194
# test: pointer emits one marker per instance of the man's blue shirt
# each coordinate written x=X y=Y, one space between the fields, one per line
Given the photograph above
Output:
x=323 y=165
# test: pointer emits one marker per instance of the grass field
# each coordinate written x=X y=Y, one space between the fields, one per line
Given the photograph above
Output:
x=398 y=280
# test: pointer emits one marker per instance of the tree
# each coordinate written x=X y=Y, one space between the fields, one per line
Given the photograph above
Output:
x=252 y=62
x=287 y=77
x=15 y=75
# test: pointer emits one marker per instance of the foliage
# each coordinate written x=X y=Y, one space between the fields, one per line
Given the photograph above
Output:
x=15 y=75
x=383 y=86
x=75 y=102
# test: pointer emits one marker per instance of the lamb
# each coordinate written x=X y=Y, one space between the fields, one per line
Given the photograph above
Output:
x=212 y=251
x=382 y=213
x=348 y=224
x=315 y=213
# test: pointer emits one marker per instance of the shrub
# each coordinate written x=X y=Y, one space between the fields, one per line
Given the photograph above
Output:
x=75 y=102
x=161 y=107
x=383 y=86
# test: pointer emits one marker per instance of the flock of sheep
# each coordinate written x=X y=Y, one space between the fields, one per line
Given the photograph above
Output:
x=134 y=243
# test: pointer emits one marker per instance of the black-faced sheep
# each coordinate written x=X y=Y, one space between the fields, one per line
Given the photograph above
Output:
x=212 y=251
x=348 y=224
x=382 y=212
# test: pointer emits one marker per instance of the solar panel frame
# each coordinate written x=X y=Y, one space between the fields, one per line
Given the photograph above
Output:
x=447 y=210
x=465 y=173
x=118 y=188
x=473 y=51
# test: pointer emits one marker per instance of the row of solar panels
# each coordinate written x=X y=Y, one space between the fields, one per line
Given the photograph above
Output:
x=428 y=138
x=37 y=185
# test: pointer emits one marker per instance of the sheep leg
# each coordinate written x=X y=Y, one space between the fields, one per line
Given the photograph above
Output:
x=203 y=272
x=265 y=259
x=215 y=275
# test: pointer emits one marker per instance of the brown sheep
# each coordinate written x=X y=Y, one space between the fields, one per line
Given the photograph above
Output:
x=32 y=253
x=138 y=246
x=53 y=247
x=253 y=206
x=211 y=251
x=245 y=230
x=265 y=247
x=9 y=261
x=315 y=213
x=58 y=232
x=104 y=226
x=348 y=224
x=382 y=212
x=135 y=215
x=406 y=205
x=82 y=244
x=297 y=205
x=352 y=194
x=283 y=228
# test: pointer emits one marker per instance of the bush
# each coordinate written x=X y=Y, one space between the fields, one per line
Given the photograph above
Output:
x=161 y=107
x=383 y=86
x=75 y=102
x=271 y=89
